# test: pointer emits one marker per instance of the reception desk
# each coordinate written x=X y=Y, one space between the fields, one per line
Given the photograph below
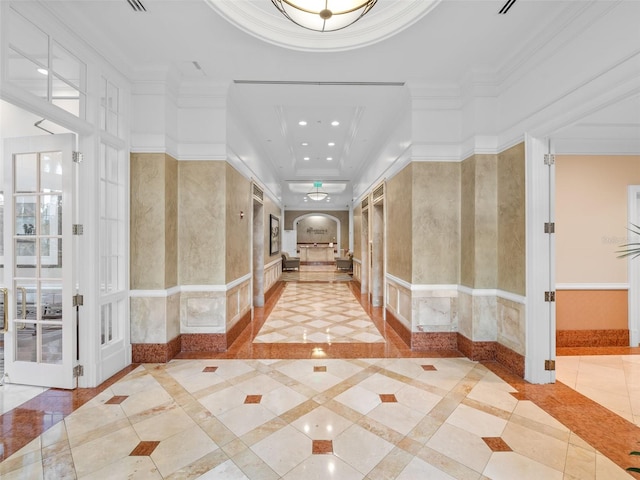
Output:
x=321 y=253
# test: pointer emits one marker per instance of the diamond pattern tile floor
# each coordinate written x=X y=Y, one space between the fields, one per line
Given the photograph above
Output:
x=318 y=313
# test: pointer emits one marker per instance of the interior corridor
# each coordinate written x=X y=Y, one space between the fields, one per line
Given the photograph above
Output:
x=330 y=403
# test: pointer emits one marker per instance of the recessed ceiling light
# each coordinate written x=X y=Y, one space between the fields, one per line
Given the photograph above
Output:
x=335 y=123
x=305 y=144
x=329 y=158
x=306 y=158
x=43 y=71
x=302 y=123
x=331 y=144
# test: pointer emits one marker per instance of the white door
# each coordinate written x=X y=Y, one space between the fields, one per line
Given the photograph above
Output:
x=40 y=346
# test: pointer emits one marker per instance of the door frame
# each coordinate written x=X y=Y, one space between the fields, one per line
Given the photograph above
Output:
x=633 y=269
x=34 y=373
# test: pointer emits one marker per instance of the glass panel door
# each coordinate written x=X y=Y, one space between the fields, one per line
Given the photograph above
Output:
x=39 y=341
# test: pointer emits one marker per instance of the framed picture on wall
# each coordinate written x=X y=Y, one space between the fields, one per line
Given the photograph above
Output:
x=274 y=236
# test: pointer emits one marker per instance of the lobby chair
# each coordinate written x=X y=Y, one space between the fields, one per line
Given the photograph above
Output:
x=290 y=263
x=345 y=263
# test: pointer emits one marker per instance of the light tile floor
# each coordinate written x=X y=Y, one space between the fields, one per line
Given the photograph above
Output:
x=362 y=418
x=263 y=419
x=318 y=313
x=611 y=380
x=12 y=395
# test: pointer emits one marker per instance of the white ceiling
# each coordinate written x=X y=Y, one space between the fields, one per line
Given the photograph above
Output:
x=448 y=41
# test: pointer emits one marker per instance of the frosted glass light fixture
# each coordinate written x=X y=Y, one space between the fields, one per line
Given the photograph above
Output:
x=317 y=194
x=324 y=15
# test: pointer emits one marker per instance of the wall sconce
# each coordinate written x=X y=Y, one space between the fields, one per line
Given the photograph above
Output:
x=241 y=214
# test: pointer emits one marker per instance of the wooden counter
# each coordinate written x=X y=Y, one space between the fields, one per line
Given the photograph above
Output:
x=316 y=254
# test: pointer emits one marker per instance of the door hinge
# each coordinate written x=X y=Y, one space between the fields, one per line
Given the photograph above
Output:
x=550 y=227
x=77 y=157
x=77 y=300
x=549 y=159
x=550 y=365
x=549 y=296
x=78 y=371
x=78 y=229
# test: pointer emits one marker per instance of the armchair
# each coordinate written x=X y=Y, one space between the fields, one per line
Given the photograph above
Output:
x=345 y=263
x=290 y=263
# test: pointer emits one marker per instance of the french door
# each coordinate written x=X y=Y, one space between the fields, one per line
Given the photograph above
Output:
x=38 y=192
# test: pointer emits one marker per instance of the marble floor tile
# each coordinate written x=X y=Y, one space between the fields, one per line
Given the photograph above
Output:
x=437 y=428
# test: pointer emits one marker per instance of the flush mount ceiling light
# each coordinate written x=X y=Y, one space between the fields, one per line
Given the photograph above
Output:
x=317 y=194
x=324 y=15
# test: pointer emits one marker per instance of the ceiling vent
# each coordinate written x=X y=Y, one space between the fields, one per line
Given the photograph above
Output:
x=506 y=7
x=136 y=5
x=297 y=82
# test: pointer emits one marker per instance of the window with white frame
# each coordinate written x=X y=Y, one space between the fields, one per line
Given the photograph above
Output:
x=109 y=112
x=43 y=67
x=112 y=247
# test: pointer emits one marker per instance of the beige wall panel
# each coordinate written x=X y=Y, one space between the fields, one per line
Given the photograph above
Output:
x=171 y=222
x=591 y=216
x=468 y=222
x=486 y=221
x=511 y=220
x=148 y=229
x=436 y=223
x=343 y=215
x=316 y=229
x=202 y=222
x=398 y=201
x=238 y=230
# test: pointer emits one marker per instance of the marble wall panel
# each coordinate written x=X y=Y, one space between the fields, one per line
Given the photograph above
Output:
x=485 y=315
x=398 y=201
x=465 y=315
x=203 y=312
x=147 y=222
x=171 y=222
x=511 y=328
x=511 y=220
x=238 y=229
x=202 y=252
x=435 y=311
x=173 y=315
x=148 y=316
x=238 y=304
x=436 y=223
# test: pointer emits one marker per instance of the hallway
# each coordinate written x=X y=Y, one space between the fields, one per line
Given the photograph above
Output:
x=349 y=409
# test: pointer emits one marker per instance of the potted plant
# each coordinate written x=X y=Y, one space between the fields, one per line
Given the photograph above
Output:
x=631 y=249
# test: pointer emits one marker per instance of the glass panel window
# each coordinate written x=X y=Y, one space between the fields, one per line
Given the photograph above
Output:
x=26 y=170
x=51 y=172
x=67 y=66
x=30 y=75
x=103 y=105
x=66 y=97
x=28 y=40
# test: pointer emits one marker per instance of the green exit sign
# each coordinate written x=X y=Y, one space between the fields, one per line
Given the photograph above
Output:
x=317 y=184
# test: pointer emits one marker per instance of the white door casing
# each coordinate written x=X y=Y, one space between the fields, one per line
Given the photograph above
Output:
x=39 y=204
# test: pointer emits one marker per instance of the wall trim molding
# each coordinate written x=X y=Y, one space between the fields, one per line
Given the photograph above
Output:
x=474 y=292
x=163 y=293
x=592 y=286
